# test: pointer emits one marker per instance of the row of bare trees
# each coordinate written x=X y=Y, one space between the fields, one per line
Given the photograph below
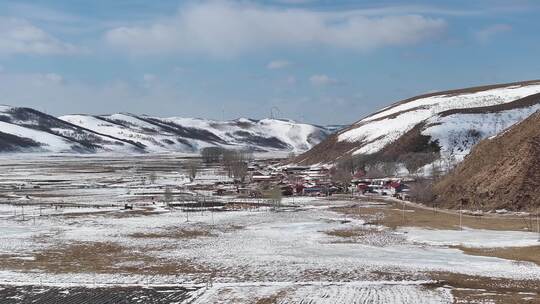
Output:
x=235 y=162
x=378 y=166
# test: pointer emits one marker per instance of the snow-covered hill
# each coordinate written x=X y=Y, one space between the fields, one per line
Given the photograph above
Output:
x=28 y=130
x=450 y=121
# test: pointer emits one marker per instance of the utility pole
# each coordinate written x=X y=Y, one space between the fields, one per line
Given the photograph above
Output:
x=403 y=212
x=186 y=211
x=460 y=215
x=538 y=223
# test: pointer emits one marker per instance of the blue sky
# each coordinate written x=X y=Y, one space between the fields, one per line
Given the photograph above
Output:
x=323 y=62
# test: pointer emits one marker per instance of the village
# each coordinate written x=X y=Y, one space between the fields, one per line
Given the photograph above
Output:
x=272 y=178
x=311 y=181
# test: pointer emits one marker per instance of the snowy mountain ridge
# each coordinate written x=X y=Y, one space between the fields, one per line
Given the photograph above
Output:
x=453 y=121
x=28 y=130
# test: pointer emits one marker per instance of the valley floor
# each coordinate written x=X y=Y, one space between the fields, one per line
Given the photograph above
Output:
x=65 y=236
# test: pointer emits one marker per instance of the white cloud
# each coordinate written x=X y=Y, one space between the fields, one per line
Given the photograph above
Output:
x=488 y=33
x=322 y=80
x=278 y=64
x=149 y=77
x=294 y=1
x=150 y=80
x=180 y=69
x=291 y=80
x=226 y=28
x=53 y=77
x=18 y=36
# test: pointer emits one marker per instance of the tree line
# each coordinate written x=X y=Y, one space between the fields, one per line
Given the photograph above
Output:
x=235 y=162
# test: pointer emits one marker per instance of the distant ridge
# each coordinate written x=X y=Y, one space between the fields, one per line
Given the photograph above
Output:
x=28 y=130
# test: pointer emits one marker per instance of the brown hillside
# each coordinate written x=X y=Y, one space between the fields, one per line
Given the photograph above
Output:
x=503 y=172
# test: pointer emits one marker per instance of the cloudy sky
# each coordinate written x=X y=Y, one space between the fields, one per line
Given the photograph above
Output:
x=318 y=61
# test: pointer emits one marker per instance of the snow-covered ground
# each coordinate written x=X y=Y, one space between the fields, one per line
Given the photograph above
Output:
x=279 y=246
x=273 y=252
x=329 y=293
x=286 y=254
x=473 y=238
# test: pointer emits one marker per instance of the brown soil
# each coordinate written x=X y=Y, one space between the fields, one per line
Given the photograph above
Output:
x=529 y=254
x=99 y=257
x=473 y=289
x=275 y=298
x=349 y=232
x=503 y=172
x=174 y=234
x=391 y=214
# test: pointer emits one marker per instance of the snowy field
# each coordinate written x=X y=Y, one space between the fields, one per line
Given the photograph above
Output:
x=71 y=231
x=472 y=238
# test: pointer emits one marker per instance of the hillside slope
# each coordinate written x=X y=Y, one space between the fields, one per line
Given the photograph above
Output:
x=191 y=135
x=501 y=172
x=28 y=130
x=450 y=122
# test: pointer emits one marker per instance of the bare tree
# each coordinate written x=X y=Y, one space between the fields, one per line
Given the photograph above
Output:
x=448 y=160
x=192 y=168
x=229 y=157
x=435 y=171
x=389 y=168
x=347 y=163
x=422 y=191
x=357 y=162
x=211 y=154
x=168 y=195
x=276 y=196
x=414 y=161
x=240 y=171
x=152 y=177
x=341 y=176
x=291 y=156
x=236 y=163
x=374 y=171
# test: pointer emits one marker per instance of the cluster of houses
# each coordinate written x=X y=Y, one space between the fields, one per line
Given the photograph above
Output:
x=315 y=181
